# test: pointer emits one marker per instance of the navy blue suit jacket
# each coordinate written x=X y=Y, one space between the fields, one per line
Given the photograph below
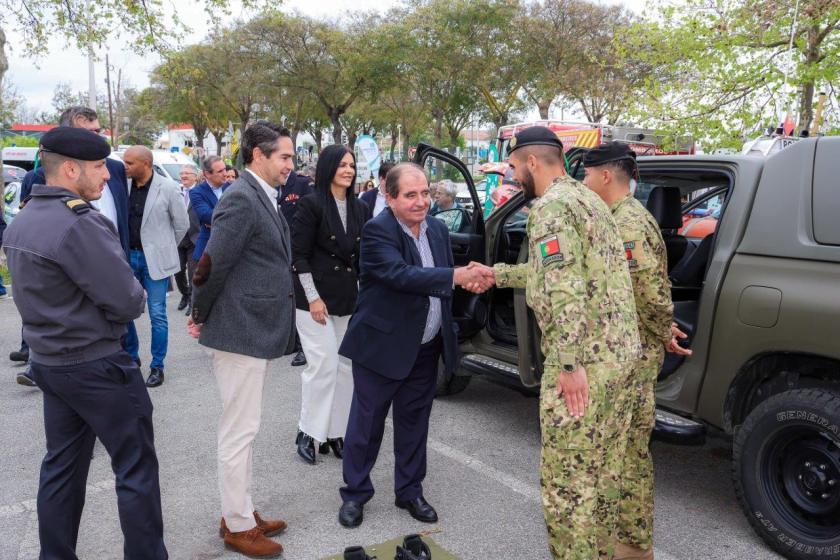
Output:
x=117 y=184
x=203 y=202
x=386 y=330
x=296 y=187
x=369 y=198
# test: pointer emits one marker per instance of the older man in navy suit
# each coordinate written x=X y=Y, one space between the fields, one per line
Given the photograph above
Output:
x=204 y=198
x=401 y=327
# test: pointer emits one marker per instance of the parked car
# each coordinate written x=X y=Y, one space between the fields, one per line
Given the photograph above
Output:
x=12 y=177
x=759 y=297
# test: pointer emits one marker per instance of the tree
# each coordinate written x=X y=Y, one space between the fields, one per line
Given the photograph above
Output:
x=142 y=25
x=439 y=37
x=334 y=63
x=139 y=124
x=729 y=70
x=572 y=51
x=186 y=89
x=11 y=104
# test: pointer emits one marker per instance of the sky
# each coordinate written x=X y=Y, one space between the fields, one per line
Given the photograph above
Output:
x=36 y=79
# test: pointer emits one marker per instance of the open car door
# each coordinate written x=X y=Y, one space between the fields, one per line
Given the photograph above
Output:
x=465 y=223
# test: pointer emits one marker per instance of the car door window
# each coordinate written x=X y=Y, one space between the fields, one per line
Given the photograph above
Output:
x=451 y=201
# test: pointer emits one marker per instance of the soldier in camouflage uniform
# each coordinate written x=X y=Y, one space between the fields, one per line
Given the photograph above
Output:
x=609 y=171
x=577 y=283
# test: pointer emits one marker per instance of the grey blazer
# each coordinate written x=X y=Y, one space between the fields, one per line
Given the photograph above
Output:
x=242 y=288
x=164 y=224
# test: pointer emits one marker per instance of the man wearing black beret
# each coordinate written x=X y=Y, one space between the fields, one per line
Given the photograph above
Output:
x=75 y=293
x=610 y=172
x=577 y=283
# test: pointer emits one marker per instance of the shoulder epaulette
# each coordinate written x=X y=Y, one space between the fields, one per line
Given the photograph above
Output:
x=77 y=205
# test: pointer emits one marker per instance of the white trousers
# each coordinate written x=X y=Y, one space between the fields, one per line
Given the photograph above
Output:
x=240 y=379
x=327 y=380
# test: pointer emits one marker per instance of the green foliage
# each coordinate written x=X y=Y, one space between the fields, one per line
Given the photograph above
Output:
x=20 y=141
x=723 y=66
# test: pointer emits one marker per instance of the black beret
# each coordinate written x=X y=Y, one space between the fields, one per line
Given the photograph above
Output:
x=534 y=136
x=607 y=153
x=76 y=143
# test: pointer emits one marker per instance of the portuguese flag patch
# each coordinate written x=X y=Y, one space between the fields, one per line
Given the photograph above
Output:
x=549 y=247
x=550 y=250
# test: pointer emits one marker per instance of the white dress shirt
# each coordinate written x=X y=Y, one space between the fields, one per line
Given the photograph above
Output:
x=270 y=191
x=381 y=204
x=106 y=205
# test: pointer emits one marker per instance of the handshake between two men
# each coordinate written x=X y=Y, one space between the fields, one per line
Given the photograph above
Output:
x=475 y=277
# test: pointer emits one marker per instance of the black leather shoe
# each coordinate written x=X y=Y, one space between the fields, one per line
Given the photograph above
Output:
x=324 y=448
x=413 y=548
x=306 y=447
x=185 y=301
x=25 y=378
x=337 y=446
x=19 y=355
x=299 y=359
x=419 y=509
x=189 y=310
x=155 y=378
x=356 y=553
x=351 y=514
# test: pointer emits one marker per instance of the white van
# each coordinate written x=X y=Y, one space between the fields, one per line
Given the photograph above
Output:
x=166 y=163
x=20 y=157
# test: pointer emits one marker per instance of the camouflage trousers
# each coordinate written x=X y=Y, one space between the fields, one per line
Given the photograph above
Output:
x=635 y=515
x=581 y=463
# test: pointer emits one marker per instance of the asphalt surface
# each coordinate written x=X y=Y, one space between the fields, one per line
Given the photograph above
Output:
x=482 y=477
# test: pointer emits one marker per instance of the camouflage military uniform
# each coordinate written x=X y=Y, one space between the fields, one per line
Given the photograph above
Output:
x=648 y=262
x=578 y=285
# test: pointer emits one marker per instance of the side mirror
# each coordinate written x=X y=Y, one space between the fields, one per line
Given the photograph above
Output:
x=456 y=219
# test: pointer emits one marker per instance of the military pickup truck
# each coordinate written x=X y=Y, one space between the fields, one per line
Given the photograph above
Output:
x=759 y=298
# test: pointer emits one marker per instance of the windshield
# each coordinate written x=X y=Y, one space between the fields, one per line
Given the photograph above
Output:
x=173 y=170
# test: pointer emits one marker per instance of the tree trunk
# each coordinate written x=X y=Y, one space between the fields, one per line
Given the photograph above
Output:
x=543 y=105
x=393 y=143
x=319 y=139
x=438 y=131
x=806 y=95
x=335 y=118
x=4 y=62
x=219 y=136
x=200 y=132
x=295 y=133
x=454 y=135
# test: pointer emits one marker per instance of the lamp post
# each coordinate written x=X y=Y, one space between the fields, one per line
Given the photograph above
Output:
x=399 y=139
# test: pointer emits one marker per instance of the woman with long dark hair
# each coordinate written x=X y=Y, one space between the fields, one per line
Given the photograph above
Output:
x=325 y=245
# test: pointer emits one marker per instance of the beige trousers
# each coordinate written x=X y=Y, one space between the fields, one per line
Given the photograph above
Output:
x=240 y=379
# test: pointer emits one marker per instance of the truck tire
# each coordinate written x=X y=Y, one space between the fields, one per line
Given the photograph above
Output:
x=786 y=471
x=455 y=385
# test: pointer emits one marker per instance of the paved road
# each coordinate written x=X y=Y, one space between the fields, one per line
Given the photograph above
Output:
x=482 y=474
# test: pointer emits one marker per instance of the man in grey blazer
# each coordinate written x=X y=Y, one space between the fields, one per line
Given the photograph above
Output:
x=157 y=221
x=243 y=311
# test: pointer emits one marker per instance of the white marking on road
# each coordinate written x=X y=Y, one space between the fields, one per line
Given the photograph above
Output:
x=25 y=506
x=530 y=491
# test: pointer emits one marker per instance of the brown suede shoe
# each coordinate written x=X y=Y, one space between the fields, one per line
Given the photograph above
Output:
x=627 y=552
x=269 y=527
x=253 y=543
